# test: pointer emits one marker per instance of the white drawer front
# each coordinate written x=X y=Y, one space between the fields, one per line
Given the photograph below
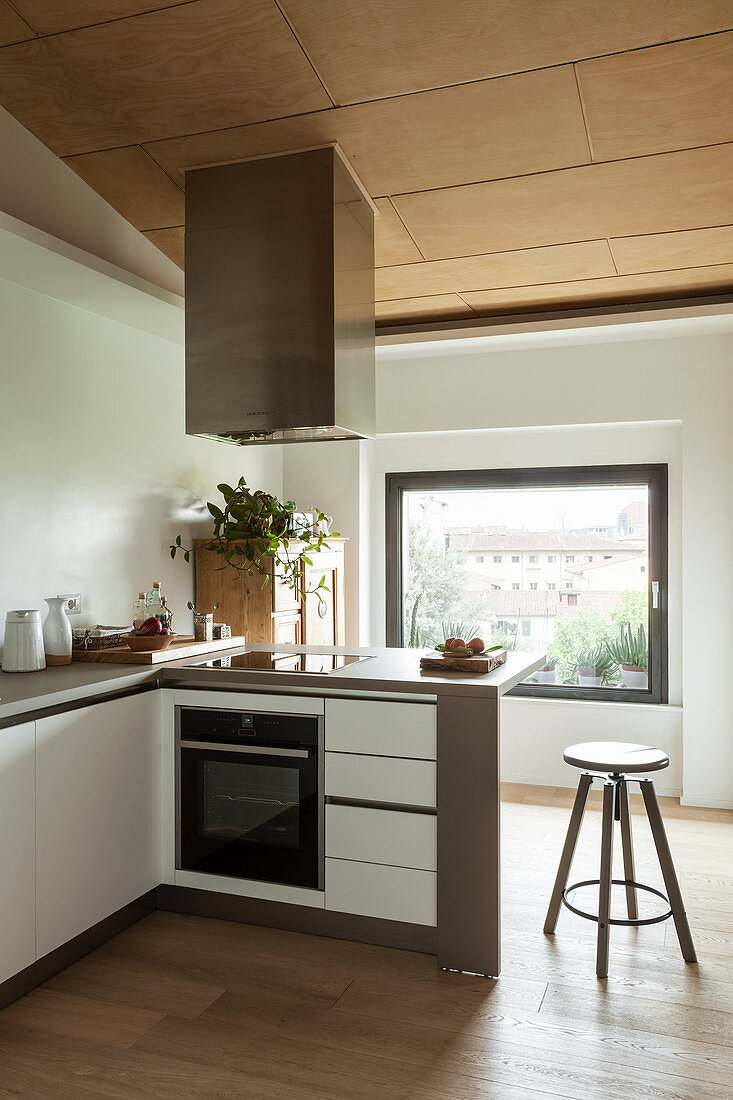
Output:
x=381 y=779
x=382 y=836
x=393 y=893
x=381 y=729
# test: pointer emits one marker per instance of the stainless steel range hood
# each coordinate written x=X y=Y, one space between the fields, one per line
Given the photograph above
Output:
x=279 y=300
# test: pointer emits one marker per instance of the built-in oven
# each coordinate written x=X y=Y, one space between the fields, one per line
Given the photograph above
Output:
x=249 y=800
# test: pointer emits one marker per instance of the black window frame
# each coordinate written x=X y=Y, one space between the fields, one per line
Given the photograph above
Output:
x=653 y=476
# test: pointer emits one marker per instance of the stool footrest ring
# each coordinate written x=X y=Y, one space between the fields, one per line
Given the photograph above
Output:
x=616 y=920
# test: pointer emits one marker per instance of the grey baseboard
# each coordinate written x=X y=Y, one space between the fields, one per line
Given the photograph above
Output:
x=297 y=918
x=43 y=969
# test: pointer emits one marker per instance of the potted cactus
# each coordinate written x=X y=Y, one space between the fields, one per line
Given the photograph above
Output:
x=595 y=666
x=631 y=651
x=546 y=674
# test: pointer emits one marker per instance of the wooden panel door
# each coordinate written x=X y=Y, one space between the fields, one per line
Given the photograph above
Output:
x=323 y=611
x=18 y=849
x=98 y=825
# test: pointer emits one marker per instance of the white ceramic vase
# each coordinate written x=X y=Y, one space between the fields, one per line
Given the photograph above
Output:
x=57 y=633
x=586 y=681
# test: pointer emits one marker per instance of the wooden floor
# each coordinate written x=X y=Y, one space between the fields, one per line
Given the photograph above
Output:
x=180 y=1007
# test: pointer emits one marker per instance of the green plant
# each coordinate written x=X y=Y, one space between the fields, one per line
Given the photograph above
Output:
x=596 y=661
x=630 y=648
x=460 y=629
x=414 y=642
x=255 y=528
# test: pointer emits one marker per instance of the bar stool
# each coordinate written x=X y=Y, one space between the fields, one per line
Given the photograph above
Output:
x=617 y=764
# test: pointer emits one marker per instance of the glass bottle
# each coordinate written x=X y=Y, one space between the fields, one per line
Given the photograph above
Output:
x=140 y=613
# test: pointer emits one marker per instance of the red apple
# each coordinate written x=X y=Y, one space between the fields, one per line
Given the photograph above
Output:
x=456 y=643
x=477 y=645
x=151 y=626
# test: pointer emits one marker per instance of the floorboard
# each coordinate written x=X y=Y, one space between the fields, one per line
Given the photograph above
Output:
x=187 y=1008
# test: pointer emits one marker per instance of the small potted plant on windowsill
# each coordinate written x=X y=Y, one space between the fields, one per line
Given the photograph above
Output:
x=631 y=651
x=595 y=667
x=546 y=674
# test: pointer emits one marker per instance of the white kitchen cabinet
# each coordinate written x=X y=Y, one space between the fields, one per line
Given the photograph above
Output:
x=381 y=779
x=393 y=893
x=98 y=825
x=381 y=729
x=17 y=849
x=382 y=836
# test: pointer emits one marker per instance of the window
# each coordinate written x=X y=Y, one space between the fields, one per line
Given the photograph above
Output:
x=479 y=558
x=614 y=515
x=551 y=559
x=533 y=557
x=526 y=628
x=497 y=557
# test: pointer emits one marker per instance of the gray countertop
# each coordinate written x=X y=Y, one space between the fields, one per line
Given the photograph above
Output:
x=388 y=671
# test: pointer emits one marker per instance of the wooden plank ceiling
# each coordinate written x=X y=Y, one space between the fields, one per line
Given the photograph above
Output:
x=523 y=155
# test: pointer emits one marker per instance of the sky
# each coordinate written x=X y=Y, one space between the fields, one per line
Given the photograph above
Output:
x=537 y=509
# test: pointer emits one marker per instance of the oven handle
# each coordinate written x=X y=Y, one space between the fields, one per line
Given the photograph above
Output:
x=251 y=750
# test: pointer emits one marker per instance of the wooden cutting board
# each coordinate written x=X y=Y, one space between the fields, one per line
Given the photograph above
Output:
x=476 y=666
x=183 y=646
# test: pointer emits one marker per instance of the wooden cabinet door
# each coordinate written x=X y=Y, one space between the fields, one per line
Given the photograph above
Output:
x=18 y=848
x=98 y=823
x=323 y=611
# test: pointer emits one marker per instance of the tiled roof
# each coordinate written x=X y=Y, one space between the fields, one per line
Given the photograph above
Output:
x=551 y=541
x=512 y=603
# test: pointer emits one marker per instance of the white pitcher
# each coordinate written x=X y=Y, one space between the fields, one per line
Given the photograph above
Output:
x=57 y=632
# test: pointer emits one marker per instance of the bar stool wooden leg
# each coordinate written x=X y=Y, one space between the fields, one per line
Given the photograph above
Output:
x=669 y=874
x=571 y=840
x=627 y=845
x=604 y=890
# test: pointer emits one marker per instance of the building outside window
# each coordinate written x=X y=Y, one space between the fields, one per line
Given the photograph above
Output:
x=596 y=538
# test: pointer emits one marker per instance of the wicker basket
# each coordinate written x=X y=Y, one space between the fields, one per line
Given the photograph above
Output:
x=99 y=637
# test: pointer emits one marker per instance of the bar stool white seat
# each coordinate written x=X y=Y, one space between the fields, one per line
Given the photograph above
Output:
x=617 y=764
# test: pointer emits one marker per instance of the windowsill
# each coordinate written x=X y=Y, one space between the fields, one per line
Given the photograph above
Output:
x=591 y=702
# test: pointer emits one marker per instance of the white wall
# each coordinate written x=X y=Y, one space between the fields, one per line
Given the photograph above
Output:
x=638 y=394
x=38 y=188
x=97 y=476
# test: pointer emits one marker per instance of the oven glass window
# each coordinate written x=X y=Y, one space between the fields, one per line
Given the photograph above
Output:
x=252 y=802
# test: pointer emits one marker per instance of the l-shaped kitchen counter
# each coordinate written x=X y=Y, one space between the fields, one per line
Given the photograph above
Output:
x=466 y=933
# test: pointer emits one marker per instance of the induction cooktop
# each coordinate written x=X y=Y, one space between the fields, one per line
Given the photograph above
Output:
x=273 y=660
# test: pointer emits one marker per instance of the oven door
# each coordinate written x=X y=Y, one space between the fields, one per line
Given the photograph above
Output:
x=251 y=811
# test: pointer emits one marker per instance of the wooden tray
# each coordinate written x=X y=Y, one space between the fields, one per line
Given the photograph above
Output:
x=476 y=666
x=183 y=646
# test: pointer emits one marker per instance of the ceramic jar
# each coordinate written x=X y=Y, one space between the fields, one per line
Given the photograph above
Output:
x=23 y=643
x=57 y=632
